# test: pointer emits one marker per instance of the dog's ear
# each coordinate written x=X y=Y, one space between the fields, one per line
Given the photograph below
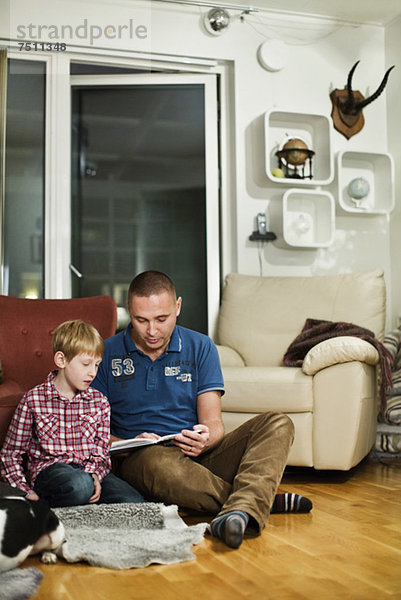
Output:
x=39 y=508
x=52 y=522
x=41 y=515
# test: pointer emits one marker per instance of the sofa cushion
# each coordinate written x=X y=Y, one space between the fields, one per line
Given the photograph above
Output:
x=259 y=389
x=261 y=316
x=229 y=357
x=344 y=348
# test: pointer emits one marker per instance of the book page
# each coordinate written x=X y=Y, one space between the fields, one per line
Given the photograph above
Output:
x=123 y=445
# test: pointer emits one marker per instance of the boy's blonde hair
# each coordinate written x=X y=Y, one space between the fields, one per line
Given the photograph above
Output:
x=76 y=337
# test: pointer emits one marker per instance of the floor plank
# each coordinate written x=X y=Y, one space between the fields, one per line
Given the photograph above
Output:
x=348 y=547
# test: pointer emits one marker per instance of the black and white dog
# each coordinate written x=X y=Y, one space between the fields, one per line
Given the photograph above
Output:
x=26 y=527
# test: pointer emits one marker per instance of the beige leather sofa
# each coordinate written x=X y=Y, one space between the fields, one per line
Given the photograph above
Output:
x=332 y=399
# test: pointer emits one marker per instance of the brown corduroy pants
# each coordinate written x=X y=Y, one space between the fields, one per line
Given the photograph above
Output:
x=241 y=473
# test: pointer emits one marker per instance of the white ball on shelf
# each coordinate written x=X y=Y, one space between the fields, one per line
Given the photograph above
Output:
x=358 y=188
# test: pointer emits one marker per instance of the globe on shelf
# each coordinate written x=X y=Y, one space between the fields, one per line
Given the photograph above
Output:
x=295 y=158
x=296 y=151
x=358 y=189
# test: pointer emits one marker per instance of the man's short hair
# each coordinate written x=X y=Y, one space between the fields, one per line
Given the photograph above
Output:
x=150 y=283
x=76 y=337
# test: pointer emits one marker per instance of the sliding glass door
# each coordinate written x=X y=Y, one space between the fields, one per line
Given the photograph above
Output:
x=24 y=198
x=145 y=187
x=108 y=175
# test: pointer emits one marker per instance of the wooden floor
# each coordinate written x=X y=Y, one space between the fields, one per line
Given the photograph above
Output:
x=348 y=547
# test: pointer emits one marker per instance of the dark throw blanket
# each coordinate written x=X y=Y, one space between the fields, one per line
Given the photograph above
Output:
x=316 y=330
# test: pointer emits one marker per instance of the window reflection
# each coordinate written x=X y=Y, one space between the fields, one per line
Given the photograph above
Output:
x=24 y=179
x=138 y=191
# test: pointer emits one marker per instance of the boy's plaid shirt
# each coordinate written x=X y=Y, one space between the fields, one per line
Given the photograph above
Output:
x=49 y=428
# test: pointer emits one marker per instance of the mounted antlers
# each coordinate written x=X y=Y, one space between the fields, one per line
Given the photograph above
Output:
x=347 y=113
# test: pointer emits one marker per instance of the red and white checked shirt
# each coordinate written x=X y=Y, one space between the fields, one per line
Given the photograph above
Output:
x=50 y=428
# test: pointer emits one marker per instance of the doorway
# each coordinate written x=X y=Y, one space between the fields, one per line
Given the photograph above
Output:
x=144 y=187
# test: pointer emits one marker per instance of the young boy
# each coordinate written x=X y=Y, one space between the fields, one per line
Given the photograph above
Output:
x=62 y=426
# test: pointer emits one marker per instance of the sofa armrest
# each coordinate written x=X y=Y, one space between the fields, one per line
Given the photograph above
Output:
x=341 y=349
x=8 y=404
x=229 y=357
x=9 y=387
x=10 y=395
x=344 y=415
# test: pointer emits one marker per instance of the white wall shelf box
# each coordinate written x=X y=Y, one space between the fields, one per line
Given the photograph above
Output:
x=377 y=170
x=313 y=129
x=308 y=218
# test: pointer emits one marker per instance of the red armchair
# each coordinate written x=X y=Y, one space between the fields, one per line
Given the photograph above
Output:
x=26 y=329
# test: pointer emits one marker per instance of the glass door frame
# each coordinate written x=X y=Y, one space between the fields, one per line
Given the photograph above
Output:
x=46 y=59
x=57 y=186
x=211 y=160
x=58 y=156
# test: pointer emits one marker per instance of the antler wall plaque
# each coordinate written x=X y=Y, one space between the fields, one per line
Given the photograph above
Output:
x=347 y=113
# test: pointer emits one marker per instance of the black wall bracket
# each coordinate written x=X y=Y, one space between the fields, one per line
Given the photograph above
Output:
x=269 y=236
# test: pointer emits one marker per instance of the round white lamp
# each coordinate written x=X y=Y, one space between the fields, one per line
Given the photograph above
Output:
x=273 y=55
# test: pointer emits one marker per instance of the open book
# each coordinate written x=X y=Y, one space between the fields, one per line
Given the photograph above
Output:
x=125 y=445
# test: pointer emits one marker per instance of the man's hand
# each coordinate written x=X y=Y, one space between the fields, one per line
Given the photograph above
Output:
x=152 y=436
x=193 y=442
x=114 y=438
x=149 y=436
x=98 y=489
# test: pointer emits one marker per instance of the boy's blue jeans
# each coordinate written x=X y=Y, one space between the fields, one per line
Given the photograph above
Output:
x=64 y=484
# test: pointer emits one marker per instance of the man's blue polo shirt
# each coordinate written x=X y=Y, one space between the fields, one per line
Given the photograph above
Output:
x=157 y=396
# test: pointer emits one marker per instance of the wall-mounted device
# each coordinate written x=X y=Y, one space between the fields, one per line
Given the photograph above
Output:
x=261 y=223
x=261 y=233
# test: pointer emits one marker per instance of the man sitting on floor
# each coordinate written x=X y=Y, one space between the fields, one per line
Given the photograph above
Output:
x=161 y=378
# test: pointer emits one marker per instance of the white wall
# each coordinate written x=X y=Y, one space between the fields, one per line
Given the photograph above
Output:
x=321 y=53
x=393 y=53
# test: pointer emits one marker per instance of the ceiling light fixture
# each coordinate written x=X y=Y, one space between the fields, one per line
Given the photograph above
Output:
x=216 y=21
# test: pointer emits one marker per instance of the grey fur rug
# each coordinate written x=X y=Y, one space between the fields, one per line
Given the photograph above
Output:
x=19 y=584
x=122 y=536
